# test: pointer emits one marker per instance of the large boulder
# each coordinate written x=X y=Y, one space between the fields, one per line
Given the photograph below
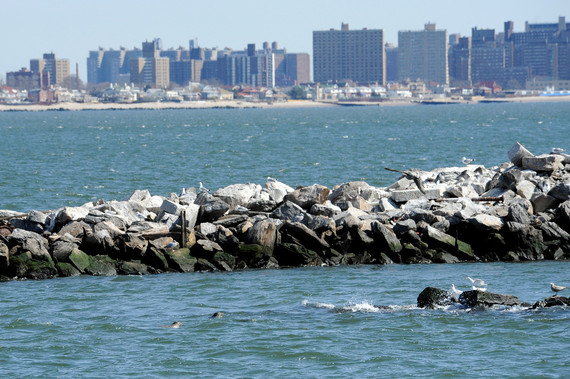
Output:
x=277 y=190
x=299 y=233
x=34 y=243
x=541 y=163
x=290 y=211
x=432 y=297
x=306 y=197
x=517 y=153
x=238 y=194
x=263 y=233
x=478 y=298
x=437 y=239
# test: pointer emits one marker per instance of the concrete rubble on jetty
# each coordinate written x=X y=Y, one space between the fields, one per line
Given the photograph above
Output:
x=517 y=211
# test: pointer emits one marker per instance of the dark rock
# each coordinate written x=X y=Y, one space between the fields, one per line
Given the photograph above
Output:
x=444 y=257
x=290 y=211
x=262 y=205
x=32 y=242
x=306 y=236
x=66 y=269
x=518 y=213
x=525 y=240
x=263 y=233
x=563 y=215
x=134 y=246
x=553 y=301
x=226 y=239
x=449 y=244
x=560 y=192
x=132 y=268
x=252 y=255
x=403 y=226
x=25 y=224
x=76 y=229
x=4 y=258
x=478 y=298
x=204 y=265
x=224 y=261
x=231 y=220
x=154 y=257
x=306 y=197
x=386 y=240
x=293 y=255
x=432 y=297
x=180 y=260
x=101 y=265
x=205 y=249
x=211 y=208
x=40 y=269
x=79 y=259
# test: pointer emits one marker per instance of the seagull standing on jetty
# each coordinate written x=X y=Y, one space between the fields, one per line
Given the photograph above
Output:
x=556 y=288
x=202 y=188
x=467 y=161
x=477 y=284
x=557 y=150
x=455 y=292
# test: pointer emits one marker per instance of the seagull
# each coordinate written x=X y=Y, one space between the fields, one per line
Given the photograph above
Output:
x=202 y=188
x=455 y=292
x=467 y=161
x=482 y=289
x=556 y=288
x=557 y=150
x=477 y=282
x=183 y=191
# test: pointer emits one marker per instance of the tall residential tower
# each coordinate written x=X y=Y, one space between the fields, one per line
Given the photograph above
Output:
x=345 y=54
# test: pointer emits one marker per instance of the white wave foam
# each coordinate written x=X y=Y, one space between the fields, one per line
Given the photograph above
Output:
x=314 y=304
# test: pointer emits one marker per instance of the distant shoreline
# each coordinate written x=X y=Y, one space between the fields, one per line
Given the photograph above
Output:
x=238 y=104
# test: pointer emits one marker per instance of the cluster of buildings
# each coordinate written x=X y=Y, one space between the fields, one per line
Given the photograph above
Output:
x=153 y=66
x=535 y=59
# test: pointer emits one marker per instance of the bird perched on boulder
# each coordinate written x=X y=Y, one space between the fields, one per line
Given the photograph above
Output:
x=556 y=288
x=477 y=282
x=411 y=176
x=557 y=150
x=202 y=188
x=467 y=161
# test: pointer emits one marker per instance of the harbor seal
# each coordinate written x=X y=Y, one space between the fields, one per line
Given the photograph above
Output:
x=218 y=315
x=174 y=325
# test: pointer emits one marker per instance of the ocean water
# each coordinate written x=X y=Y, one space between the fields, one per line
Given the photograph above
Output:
x=52 y=159
x=303 y=322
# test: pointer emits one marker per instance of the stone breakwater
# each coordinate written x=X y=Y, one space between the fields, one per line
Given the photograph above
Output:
x=517 y=211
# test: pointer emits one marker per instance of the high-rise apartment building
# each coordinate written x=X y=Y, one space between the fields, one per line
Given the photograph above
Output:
x=345 y=54
x=151 y=69
x=58 y=69
x=423 y=55
x=459 y=60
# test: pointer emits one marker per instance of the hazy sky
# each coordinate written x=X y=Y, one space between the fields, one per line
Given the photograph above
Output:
x=71 y=28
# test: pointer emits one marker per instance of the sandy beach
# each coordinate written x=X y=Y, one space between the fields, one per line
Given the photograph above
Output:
x=238 y=104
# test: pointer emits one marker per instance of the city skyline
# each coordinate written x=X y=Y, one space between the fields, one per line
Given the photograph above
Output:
x=64 y=29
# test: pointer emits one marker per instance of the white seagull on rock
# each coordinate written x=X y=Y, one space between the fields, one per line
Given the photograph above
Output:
x=477 y=282
x=467 y=161
x=557 y=150
x=455 y=292
x=556 y=288
x=202 y=188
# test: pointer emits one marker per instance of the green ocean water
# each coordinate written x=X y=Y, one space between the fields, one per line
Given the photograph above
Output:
x=305 y=322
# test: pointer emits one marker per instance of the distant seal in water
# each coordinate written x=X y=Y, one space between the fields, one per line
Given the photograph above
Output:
x=174 y=325
x=218 y=315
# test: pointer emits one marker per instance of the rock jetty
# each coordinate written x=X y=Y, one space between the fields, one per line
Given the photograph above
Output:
x=517 y=211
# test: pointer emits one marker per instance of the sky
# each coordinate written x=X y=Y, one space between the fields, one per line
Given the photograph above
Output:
x=71 y=28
